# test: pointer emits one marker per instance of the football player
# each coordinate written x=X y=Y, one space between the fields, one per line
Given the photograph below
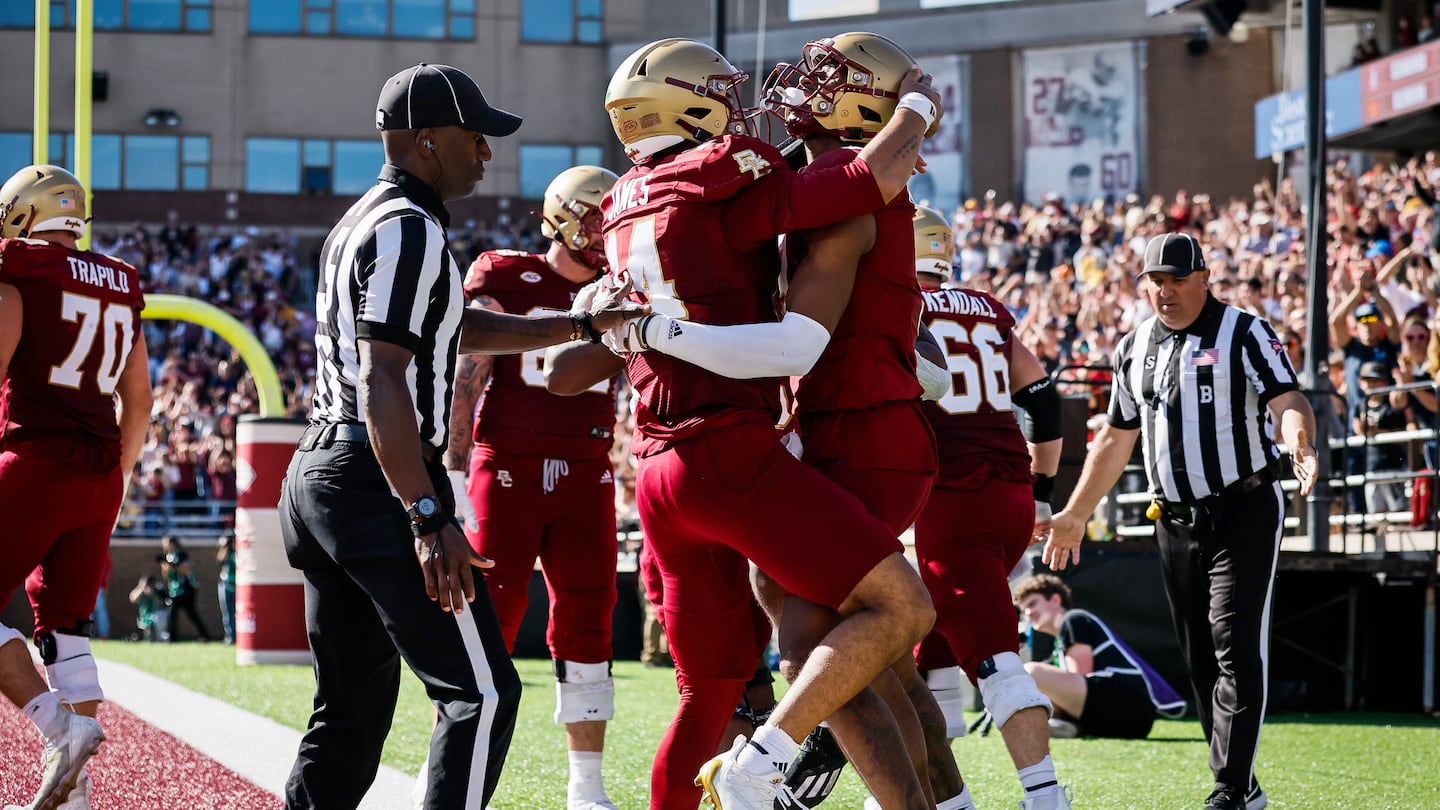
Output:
x=855 y=281
x=692 y=226
x=540 y=482
x=70 y=345
x=990 y=500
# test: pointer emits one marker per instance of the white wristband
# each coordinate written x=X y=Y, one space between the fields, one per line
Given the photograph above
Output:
x=919 y=103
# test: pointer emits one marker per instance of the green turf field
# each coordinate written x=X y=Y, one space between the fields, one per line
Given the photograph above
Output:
x=1307 y=761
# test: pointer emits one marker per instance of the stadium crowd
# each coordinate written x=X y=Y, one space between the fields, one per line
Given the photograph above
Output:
x=1066 y=269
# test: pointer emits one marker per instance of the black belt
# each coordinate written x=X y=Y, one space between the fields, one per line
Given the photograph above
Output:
x=327 y=433
x=1182 y=512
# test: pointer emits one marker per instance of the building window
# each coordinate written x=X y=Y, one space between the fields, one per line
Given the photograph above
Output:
x=311 y=165
x=539 y=163
x=400 y=19
x=117 y=15
x=122 y=162
x=579 y=21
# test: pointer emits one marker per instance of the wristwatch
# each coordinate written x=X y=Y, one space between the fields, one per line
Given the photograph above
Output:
x=426 y=516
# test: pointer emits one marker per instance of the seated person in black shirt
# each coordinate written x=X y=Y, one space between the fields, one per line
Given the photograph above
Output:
x=1098 y=685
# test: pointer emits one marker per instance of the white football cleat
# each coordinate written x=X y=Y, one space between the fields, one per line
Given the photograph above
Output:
x=79 y=739
x=1059 y=800
x=727 y=786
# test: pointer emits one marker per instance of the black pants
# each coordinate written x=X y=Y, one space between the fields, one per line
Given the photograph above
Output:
x=185 y=602
x=365 y=610
x=1220 y=578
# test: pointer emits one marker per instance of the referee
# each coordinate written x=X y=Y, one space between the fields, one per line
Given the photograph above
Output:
x=366 y=496
x=1205 y=384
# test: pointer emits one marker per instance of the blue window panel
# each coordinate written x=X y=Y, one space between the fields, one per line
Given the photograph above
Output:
x=589 y=156
x=154 y=15
x=319 y=4
x=195 y=149
x=546 y=21
x=272 y=165
x=14 y=152
x=152 y=162
x=362 y=18
x=55 y=147
x=197 y=19
x=58 y=18
x=463 y=6
x=17 y=15
x=357 y=163
x=317 y=22
x=274 y=16
x=109 y=15
x=104 y=162
x=315 y=153
x=594 y=9
x=195 y=178
x=539 y=163
x=588 y=31
x=462 y=28
x=421 y=19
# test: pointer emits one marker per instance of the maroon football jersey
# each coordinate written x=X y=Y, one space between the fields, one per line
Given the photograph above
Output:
x=696 y=232
x=871 y=356
x=517 y=414
x=82 y=318
x=978 y=435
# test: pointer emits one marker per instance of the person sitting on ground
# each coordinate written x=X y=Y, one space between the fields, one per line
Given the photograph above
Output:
x=1098 y=685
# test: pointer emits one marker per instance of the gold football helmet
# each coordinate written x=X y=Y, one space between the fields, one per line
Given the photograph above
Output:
x=674 y=91
x=934 y=243
x=41 y=198
x=571 y=211
x=846 y=86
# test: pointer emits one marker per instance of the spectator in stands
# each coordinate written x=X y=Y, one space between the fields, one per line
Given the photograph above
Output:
x=1379 y=415
x=1098 y=686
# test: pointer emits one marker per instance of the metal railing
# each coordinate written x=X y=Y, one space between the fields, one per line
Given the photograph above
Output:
x=190 y=518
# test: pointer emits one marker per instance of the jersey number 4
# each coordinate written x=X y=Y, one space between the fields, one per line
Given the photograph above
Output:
x=974 y=383
x=638 y=253
x=113 y=324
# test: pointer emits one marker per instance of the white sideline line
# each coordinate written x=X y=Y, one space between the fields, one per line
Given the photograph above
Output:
x=252 y=746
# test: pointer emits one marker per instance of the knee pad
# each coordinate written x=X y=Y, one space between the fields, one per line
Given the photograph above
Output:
x=9 y=634
x=1008 y=688
x=583 y=692
x=949 y=691
x=70 y=667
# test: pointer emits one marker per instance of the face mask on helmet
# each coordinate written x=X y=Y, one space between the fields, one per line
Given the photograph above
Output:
x=571 y=212
x=42 y=198
x=846 y=86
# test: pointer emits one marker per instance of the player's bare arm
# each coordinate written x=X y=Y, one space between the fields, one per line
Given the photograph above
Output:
x=12 y=317
x=445 y=557
x=136 y=400
x=1291 y=411
x=821 y=286
x=1109 y=453
x=482 y=330
x=574 y=368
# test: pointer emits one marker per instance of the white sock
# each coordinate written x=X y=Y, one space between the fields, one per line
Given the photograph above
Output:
x=586 y=783
x=962 y=801
x=44 y=711
x=1039 y=779
x=769 y=748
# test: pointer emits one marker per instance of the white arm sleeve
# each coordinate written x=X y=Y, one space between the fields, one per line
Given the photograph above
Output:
x=934 y=379
x=742 y=351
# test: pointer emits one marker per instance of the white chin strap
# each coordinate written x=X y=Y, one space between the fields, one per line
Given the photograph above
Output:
x=645 y=147
x=65 y=223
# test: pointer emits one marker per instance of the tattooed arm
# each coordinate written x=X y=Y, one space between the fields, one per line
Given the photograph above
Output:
x=471 y=373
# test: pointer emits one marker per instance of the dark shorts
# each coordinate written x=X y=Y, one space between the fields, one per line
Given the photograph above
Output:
x=1114 y=708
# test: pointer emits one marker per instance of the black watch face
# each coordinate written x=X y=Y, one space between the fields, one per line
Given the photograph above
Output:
x=427 y=506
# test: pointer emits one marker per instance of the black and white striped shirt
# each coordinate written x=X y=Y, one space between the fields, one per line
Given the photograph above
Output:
x=386 y=274
x=1198 y=397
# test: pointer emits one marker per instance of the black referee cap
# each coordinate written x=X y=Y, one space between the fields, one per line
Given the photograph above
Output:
x=1175 y=253
x=439 y=96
